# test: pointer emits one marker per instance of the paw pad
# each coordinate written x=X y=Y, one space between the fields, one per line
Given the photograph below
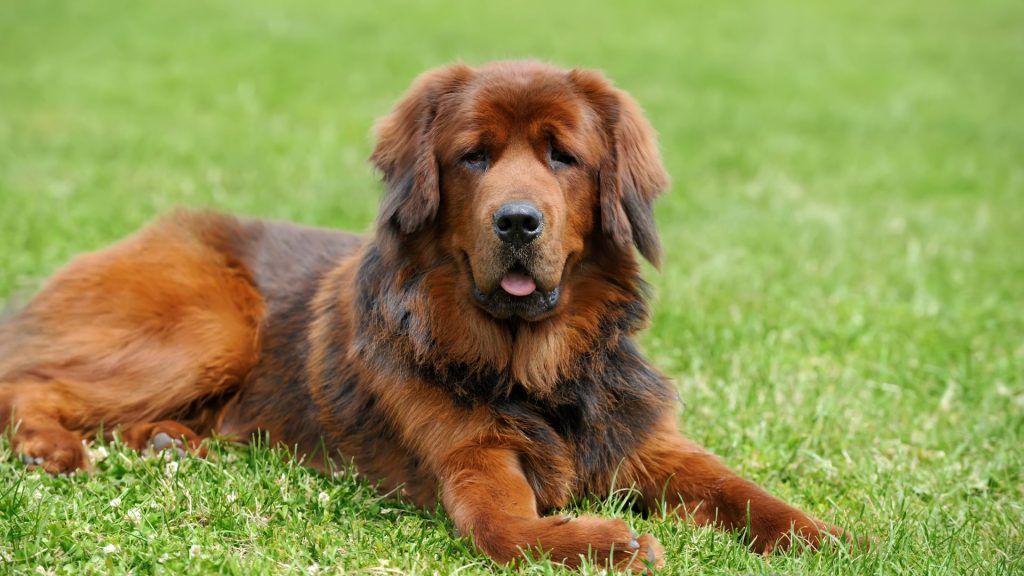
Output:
x=30 y=461
x=163 y=441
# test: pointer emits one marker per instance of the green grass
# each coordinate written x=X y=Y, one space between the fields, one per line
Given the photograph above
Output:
x=842 y=303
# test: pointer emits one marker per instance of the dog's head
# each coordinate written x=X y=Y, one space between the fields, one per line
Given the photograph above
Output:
x=520 y=171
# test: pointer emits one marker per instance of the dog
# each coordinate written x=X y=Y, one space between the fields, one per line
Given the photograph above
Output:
x=477 y=349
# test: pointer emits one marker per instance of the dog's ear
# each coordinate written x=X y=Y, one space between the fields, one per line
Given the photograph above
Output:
x=404 y=152
x=631 y=175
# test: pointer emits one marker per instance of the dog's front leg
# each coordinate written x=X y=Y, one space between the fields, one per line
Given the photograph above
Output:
x=487 y=495
x=694 y=483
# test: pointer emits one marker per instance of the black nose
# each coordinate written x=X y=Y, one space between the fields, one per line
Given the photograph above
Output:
x=518 y=222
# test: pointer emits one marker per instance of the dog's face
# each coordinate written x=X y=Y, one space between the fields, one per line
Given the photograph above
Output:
x=515 y=167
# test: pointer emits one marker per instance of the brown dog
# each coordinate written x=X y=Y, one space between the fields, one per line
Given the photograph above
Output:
x=477 y=348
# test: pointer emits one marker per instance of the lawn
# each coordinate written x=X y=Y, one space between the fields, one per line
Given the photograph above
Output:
x=841 y=305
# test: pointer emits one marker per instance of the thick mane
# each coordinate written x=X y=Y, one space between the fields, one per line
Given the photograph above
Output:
x=407 y=307
x=401 y=300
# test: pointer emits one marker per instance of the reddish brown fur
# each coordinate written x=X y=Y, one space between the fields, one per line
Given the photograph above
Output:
x=392 y=351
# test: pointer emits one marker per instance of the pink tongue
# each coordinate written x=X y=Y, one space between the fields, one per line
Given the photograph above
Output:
x=518 y=284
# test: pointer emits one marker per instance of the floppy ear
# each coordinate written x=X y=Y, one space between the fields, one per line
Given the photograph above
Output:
x=632 y=175
x=404 y=152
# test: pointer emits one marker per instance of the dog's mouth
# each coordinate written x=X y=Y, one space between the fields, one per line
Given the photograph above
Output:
x=517 y=294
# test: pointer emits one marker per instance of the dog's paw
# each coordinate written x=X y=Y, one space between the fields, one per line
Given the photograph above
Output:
x=53 y=451
x=162 y=441
x=649 y=556
x=782 y=534
x=601 y=541
x=165 y=437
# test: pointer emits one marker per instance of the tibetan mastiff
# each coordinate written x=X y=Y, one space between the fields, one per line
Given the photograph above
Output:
x=477 y=349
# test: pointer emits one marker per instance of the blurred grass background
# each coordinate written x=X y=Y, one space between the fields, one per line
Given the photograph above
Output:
x=842 y=303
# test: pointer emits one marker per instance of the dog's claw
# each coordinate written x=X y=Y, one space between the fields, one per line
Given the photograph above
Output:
x=651 y=556
x=564 y=520
x=27 y=460
x=634 y=544
x=39 y=460
x=181 y=453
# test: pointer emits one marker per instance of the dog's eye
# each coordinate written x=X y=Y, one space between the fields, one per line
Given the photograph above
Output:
x=559 y=159
x=475 y=160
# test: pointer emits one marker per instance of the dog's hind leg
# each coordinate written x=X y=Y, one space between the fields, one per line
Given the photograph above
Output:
x=48 y=429
x=34 y=413
x=153 y=334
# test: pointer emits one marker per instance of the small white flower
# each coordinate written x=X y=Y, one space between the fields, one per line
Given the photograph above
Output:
x=163 y=558
x=109 y=549
x=313 y=569
x=98 y=453
x=194 y=551
x=171 y=469
x=115 y=502
x=232 y=497
x=135 y=515
x=37 y=494
x=384 y=562
x=323 y=498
